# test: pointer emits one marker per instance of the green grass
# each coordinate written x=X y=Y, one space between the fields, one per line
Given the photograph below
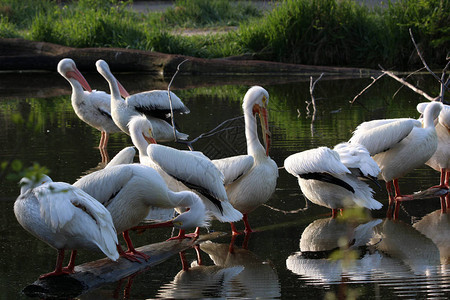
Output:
x=319 y=32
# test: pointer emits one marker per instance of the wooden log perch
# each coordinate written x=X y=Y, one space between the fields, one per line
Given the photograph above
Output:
x=93 y=274
x=432 y=192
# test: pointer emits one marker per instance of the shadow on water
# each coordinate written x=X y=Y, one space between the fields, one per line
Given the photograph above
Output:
x=289 y=256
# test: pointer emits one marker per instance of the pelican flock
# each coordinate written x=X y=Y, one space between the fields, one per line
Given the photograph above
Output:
x=90 y=213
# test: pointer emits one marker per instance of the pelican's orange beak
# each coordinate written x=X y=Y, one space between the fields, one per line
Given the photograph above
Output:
x=77 y=75
x=262 y=111
x=122 y=90
x=151 y=139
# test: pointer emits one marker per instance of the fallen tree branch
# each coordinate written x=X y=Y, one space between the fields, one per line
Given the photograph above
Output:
x=93 y=274
x=402 y=81
x=367 y=87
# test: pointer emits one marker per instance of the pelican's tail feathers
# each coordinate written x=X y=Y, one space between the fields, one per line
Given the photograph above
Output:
x=228 y=214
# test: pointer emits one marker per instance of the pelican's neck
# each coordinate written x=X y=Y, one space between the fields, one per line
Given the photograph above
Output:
x=116 y=99
x=195 y=216
x=77 y=92
x=139 y=142
x=254 y=147
x=431 y=112
x=182 y=199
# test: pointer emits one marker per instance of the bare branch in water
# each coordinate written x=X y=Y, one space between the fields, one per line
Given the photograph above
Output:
x=170 y=99
x=367 y=87
x=212 y=132
x=312 y=85
x=402 y=81
x=409 y=75
x=422 y=59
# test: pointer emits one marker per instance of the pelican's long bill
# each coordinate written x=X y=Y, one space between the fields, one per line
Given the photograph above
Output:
x=151 y=139
x=123 y=92
x=262 y=111
x=78 y=76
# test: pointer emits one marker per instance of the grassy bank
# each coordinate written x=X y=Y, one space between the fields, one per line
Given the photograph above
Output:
x=319 y=32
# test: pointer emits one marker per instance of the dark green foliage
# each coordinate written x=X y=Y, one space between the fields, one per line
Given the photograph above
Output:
x=319 y=32
x=209 y=12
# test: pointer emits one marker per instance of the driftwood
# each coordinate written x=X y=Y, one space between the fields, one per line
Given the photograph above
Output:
x=20 y=54
x=96 y=273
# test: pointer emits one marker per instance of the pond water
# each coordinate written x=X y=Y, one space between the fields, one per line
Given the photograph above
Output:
x=406 y=258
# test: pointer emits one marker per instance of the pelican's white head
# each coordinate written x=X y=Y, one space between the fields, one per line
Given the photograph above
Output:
x=103 y=69
x=196 y=216
x=68 y=69
x=28 y=183
x=256 y=101
x=431 y=112
x=141 y=127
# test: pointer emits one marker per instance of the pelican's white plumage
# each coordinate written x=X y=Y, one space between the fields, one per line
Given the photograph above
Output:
x=357 y=159
x=155 y=105
x=66 y=218
x=251 y=179
x=326 y=181
x=440 y=161
x=131 y=191
x=92 y=107
x=183 y=170
x=399 y=145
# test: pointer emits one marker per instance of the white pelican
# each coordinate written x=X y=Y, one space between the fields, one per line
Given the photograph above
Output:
x=251 y=179
x=399 y=145
x=325 y=180
x=155 y=105
x=92 y=107
x=440 y=161
x=66 y=218
x=130 y=192
x=182 y=170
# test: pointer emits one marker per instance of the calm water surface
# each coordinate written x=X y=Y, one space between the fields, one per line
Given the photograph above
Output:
x=408 y=258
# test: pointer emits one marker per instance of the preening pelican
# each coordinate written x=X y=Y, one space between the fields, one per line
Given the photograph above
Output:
x=325 y=180
x=399 y=145
x=154 y=105
x=130 y=192
x=66 y=218
x=92 y=107
x=440 y=161
x=182 y=170
x=251 y=179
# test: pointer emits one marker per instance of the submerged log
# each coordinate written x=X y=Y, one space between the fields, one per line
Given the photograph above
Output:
x=20 y=54
x=93 y=274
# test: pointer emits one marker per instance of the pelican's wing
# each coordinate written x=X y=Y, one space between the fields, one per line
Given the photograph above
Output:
x=234 y=167
x=100 y=99
x=355 y=156
x=195 y=172
x=319 y=160
x=156 y=103
x=376 y=123
x=386 y=135
x=104 y=184
x=444 y=116
x=60 y=202
x=125 y=156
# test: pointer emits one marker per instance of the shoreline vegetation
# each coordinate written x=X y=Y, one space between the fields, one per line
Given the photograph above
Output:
x=340 y=33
